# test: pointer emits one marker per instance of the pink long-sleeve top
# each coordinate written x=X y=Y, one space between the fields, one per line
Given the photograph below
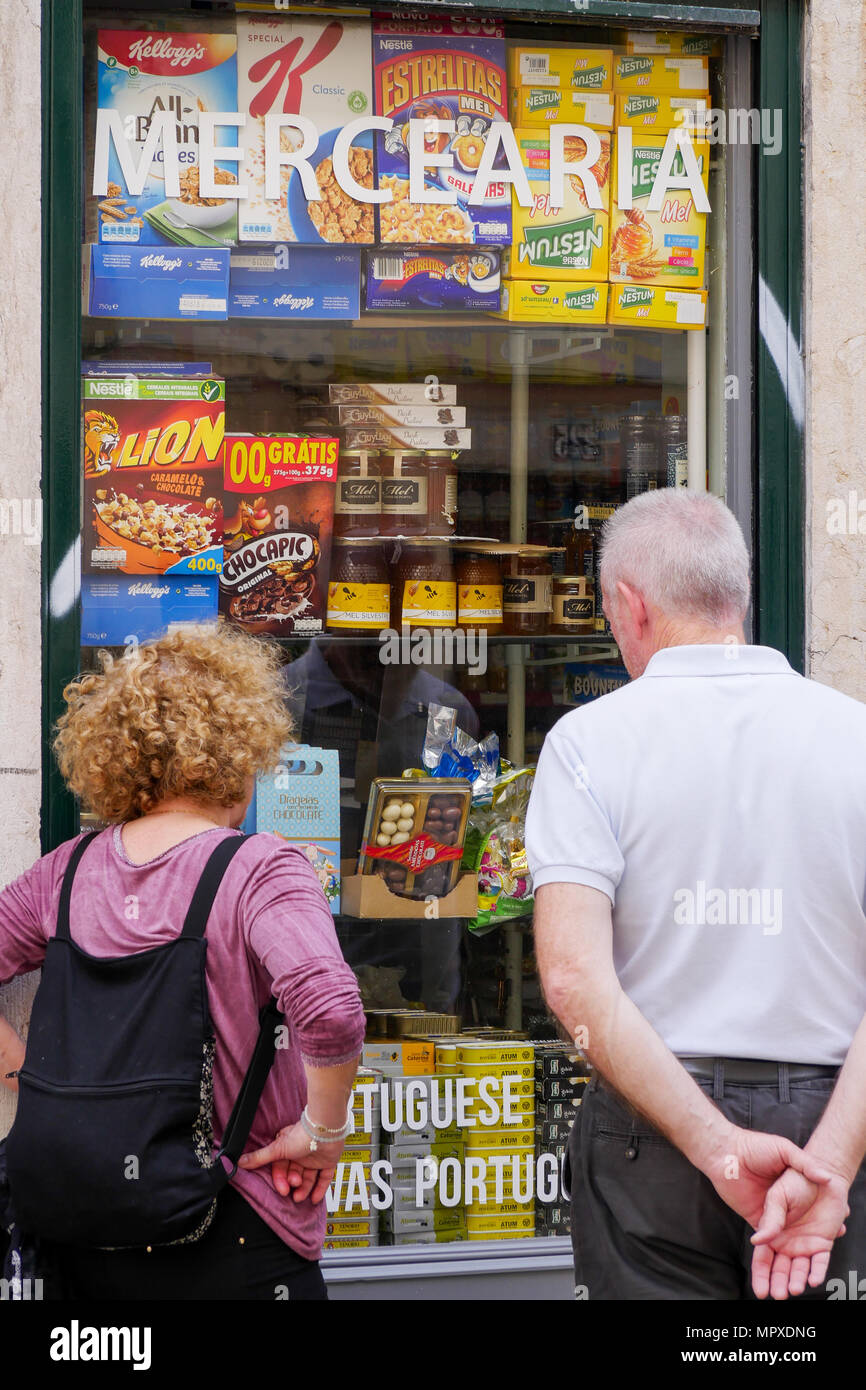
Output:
x=270 y=932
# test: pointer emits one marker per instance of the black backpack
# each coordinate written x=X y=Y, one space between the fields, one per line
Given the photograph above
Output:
x=112 y=1144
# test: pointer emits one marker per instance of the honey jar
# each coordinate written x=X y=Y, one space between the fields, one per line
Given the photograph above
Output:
x=573 y=604
x=357 y=500
x=479 y=591
x=359 y=591
x=423 y=585
x=441 y=493
x=404 y=493
x=527 y=591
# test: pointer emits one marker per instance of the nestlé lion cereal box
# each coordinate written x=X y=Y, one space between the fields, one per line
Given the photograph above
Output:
x=452 y=70
x=320 y=69
x=143 y=75
x=153 y=460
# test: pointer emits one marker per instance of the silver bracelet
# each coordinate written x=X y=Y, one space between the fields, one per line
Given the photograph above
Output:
x=320 y=1134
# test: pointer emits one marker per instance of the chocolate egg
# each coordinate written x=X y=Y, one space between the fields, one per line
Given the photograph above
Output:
x=407 y=809
x=404 y=823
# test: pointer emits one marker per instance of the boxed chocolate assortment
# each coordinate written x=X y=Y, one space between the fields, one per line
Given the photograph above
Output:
x=392 y=393
x=414 y=832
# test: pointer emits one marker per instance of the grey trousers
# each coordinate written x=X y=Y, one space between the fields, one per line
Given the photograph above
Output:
x=646 y=1224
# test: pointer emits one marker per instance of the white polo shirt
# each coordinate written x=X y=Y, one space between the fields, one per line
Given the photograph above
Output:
x=720 y=802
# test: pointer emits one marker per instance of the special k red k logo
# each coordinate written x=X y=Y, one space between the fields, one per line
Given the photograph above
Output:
x=280 y=67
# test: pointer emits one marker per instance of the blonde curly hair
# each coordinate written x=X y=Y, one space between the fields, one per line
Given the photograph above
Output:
x=195 y=714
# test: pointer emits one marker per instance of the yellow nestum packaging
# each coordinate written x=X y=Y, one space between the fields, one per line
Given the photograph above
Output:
x=660 y=73
x=570 y=242
x=577 y=69
x=538 y=106
x=664 y=247
x=653 y=306
x=653 y=112
x=561 y=301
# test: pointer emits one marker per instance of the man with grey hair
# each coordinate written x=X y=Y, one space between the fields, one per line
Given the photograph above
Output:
x=697 y=840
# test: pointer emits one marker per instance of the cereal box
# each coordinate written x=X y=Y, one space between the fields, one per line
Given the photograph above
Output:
x=146 y=282
x=435 y=69
x=538 y=106
x=560 y=243
x=279 y=505
x=664 y=247
x=144 y=75
x=646 y=111
x=682 y=43
x=661 y=74
x=319 y=69
x=571 y=69
x=299 y=800
x=118 y=608
x=153 y=459
x=295 y=282
x=651 y=306
x=462 y=280
x=564 y=302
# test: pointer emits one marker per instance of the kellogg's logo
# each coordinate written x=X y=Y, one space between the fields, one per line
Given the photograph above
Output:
x=292 y=302
x=166 y=263
x=164 y=49
x=150 y=589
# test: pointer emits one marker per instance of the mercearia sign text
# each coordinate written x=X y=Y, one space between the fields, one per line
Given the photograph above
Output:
x=678 y=166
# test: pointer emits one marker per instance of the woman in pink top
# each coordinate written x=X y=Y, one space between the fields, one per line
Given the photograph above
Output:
x=164 y=744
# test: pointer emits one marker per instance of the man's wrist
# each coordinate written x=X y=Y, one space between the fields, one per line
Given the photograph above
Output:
x=711 y=1145
x=830 y=1157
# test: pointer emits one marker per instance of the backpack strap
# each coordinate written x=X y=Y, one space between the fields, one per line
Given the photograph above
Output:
x=243 y=1113
x=195 y=922
x=62 y=932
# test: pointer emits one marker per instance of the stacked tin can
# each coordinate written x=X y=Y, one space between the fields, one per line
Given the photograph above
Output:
x=505 y=1217
x=354 y=1222
x=560 y=1075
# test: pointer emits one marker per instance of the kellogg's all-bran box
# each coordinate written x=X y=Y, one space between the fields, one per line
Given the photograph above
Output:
x=453 y=70
x=153 y=461
x=320 y=69
x=279 y=517
x=144 y=75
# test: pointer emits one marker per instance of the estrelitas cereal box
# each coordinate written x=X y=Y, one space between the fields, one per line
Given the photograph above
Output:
x=319 y=69
x=560 y=243
x=145 y=75
x=453 y=72
x=666 y=247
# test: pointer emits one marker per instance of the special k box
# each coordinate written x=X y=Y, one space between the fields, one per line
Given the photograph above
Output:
x=451 y=71
x=321 y=70
x=560 y=243
x=665 y=247
x=279 y=509
x=661 y=73
x=145 y=76
x=153 y=464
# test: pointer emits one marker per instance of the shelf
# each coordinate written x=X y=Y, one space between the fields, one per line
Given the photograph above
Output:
x=371 y=639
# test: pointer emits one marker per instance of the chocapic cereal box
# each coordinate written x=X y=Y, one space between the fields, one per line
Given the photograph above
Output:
x=279 y=505
x=450 y=71
x=153 y=461
x=667 y=246
x=567 y=242
x=149 y=81
x=321 y=71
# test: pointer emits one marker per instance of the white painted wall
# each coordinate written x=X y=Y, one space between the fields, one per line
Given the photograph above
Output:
x=20 y=464
x=835 y=337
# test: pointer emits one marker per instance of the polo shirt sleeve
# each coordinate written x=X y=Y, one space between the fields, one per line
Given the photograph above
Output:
x=569 y=838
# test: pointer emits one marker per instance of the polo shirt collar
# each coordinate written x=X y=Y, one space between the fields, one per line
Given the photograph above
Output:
x=718 y=659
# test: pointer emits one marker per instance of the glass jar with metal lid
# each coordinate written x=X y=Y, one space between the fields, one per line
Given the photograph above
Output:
x=359 y=591
x=441 y=493
x=357 y=500
x=527 y=590
x=573 y=604
x=423 y=584
x=404 y=493
x=479 y=590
